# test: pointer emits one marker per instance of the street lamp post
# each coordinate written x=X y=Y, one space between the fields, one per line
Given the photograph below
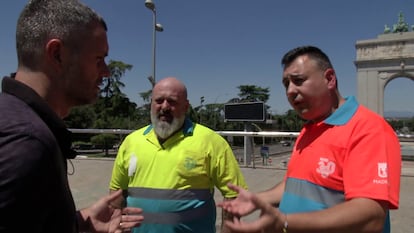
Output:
x=156 y=27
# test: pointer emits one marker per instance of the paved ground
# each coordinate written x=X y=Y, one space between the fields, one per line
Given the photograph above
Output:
x=91 y=177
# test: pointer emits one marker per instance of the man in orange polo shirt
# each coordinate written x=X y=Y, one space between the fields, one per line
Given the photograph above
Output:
x=344 y=172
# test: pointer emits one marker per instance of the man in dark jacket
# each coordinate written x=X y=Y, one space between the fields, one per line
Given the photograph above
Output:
x=61 y=47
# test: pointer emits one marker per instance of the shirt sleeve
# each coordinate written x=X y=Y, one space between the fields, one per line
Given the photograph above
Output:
x=372 y=168
x=119 y=178
x=227 y=170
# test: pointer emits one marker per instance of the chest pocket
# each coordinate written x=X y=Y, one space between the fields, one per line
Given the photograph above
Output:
x=192 y=164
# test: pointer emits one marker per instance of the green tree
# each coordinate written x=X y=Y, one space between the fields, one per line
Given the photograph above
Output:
x=290 y=121
x=211 y=115
x=410 y=124
x=115 y=112
x=253 y=93
x=104 y=141
x=145 y=109
x=81 y=117
x=146 y=96
x=113 y=108
x=192 y=114
x=112 y=84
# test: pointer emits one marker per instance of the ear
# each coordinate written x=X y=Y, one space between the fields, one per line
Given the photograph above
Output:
x=54 y=52
x=330 y=77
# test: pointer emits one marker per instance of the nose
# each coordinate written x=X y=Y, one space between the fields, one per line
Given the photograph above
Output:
x=291 y=89
x=165 y=106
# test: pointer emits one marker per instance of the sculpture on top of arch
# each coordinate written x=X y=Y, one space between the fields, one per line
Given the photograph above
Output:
x=401 y=26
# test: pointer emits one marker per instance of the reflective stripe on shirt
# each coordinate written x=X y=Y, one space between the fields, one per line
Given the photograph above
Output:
x=166 y=206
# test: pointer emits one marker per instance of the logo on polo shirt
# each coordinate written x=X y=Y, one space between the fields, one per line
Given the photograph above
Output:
x=190 y=163
x=382 y=173
x=382 y=170
x=132 y=165
x=326 y=167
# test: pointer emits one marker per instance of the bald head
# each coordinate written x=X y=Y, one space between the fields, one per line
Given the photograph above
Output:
x=172 y=84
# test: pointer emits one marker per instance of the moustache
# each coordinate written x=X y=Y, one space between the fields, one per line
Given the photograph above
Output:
x=166 y=113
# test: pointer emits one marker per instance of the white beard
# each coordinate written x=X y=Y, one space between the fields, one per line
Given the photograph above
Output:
x=164 y=129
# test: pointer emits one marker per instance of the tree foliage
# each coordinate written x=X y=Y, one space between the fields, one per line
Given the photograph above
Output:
x=104 y=141
x=253 y=93
x=114 y=110
x=112 y=85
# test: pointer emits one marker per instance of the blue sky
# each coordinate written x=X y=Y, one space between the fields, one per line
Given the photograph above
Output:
x=214 y=46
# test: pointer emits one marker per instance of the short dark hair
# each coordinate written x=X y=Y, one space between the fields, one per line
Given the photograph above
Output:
x=41 y=20
x=313 y=52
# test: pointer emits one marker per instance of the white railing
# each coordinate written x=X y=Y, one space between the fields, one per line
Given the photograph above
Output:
x=223 y=133
x=244 y=134
x=247 y=135
x=259 y=134
x=109 y=131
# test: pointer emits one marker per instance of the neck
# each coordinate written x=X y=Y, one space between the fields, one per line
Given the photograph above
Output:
x=338 y=101
x=42 y=85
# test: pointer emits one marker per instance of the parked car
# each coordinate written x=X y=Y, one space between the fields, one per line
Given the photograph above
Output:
x=286 y=143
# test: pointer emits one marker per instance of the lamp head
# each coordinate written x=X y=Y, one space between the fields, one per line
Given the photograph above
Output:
x=158 y=27
x=149 y=4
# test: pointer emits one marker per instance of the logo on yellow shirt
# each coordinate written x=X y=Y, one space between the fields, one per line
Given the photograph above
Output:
x=190 y=163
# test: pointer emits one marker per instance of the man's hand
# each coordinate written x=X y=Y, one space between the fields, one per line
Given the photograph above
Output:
x=270 y=219
x=241 y=205
x=103 y=217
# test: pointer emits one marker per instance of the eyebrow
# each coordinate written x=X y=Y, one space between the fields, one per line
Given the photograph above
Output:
x=293 y=75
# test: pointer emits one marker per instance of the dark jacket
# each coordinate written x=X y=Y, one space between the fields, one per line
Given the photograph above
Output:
x=34 y=144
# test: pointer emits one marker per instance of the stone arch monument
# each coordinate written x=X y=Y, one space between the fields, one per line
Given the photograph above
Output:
x=380 y=60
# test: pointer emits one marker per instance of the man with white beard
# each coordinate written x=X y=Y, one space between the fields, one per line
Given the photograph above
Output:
x=170 y=168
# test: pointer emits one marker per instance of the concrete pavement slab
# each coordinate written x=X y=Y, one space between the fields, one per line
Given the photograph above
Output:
x=90 y=180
